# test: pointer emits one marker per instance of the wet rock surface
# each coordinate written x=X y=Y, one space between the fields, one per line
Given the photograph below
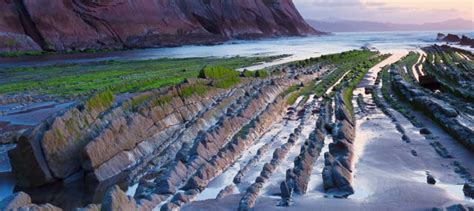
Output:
x=297 y=178
x=468 y=189
x=455 y=207
x=337 y=173
x=22 y=201
x=441 y=112
x=175 y=153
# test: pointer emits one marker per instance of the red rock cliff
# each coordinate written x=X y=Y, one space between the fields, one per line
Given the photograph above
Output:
x=103 y=24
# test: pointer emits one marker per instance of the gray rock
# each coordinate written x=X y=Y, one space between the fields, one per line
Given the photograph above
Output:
x=430 y=180
x=405 y=138
x=228 y=190
x=468 y=190
x=28 y=162
x=285 y=194
x=425 y=131
x=15 y=201
x=457 y=207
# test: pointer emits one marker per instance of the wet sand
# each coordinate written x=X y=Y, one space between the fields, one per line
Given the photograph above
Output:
x=387 y=175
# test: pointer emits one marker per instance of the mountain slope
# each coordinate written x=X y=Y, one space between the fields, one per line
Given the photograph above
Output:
x=85 y=24
x=369 y=26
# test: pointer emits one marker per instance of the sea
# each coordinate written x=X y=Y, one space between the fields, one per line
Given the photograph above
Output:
x=299 y=48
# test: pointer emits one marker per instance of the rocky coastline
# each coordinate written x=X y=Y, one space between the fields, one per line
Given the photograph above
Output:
x=83 y=25
x=462 y=40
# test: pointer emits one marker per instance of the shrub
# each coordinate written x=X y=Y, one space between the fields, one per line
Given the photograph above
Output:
x=261 y=74
x=190 y=90
x=248 y=73
x=160 y=101
x=217 y=72
x=226 y=83
x=222 y=77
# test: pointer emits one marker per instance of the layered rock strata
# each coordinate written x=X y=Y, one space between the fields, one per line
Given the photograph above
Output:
x=249 y=198
x=297 y=178
x=104 y=139
x=337 y=172
x=441 y=112
x=22 y=201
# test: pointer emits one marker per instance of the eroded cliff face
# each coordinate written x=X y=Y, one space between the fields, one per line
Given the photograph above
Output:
x=104 y=24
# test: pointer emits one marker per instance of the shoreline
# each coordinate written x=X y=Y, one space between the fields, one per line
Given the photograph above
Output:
x=300 y=47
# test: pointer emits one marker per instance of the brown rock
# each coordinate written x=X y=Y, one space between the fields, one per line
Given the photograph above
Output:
x=28 y=162
x=108 y=24
x=90 y=207
x=228 y=190
x=115 y=199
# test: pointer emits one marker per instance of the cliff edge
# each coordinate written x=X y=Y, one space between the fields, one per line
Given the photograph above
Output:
x=63 y=25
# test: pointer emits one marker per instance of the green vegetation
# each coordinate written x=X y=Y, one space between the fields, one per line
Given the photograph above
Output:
x=190 y=90
x=118 y=77
x=354 y=77
x=353 y=64
x=217 y=73
x=222 y=77
x=39 y=53
x=407 y=62
x=256 y=74
x=345 y=61
x=454 y=73
x=394 y=101
x=100 y=101
x=261 y=74
x=211 y=77
x=290 y=90
x=11 y=43
x=21 y=53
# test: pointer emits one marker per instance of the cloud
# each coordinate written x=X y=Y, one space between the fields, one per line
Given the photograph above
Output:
x=396 y=11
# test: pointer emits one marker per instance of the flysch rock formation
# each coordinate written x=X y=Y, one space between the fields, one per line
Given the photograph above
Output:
x=337 y=172
x=62 y=25
x=22 y=201
x=171 y=145
x=297 y=178
x=440 y=111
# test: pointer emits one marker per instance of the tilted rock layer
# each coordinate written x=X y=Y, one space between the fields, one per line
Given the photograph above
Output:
x=85 y=24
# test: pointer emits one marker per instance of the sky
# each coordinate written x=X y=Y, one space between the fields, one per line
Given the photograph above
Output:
x=395 y=11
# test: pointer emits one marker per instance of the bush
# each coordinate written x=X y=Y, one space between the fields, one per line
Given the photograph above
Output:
x=217 y=72
x=222 y=77
x=226 y=83
x=248 y=73
x=261 y=74
x=190 y=90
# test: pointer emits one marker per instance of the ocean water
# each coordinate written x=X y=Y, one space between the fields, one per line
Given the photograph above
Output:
x=298 y=47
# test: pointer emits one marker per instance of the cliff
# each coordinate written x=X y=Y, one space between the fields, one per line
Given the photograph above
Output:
x=63 y=25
